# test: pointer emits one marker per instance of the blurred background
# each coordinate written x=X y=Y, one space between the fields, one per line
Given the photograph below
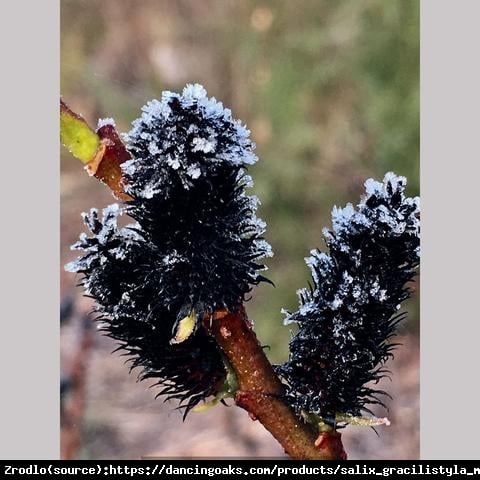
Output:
x=330 y=91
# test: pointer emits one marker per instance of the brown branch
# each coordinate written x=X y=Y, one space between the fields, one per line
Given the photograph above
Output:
x=106 y=166
x=260 y=391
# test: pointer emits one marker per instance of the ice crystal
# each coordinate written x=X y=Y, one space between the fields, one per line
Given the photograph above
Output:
x=103 y=122
x=182 y=137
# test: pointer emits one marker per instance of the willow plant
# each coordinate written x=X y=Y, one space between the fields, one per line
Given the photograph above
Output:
x=170 y=287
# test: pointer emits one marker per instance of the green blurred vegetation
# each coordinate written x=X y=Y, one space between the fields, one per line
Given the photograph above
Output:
x=329 y=88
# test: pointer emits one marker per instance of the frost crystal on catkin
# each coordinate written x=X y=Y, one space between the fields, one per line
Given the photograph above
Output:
x=181 y=141
x=346 y=320
x=195 y=246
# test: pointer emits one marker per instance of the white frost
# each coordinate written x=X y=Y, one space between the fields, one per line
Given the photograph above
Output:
x=194 y=90
x=205 y=145
x=103 y=122
x=337 y=303
x=193 y=171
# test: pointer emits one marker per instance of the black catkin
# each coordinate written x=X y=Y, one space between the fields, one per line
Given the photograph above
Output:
x=347 y=318
x=194 y=248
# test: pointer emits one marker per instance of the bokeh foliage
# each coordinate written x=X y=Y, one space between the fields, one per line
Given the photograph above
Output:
x=329 y=88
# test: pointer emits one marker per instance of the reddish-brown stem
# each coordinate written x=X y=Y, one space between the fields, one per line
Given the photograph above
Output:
x=260 y=391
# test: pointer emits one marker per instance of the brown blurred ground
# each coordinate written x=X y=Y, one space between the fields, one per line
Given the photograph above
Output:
x=330 y=91
x=122 y=419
